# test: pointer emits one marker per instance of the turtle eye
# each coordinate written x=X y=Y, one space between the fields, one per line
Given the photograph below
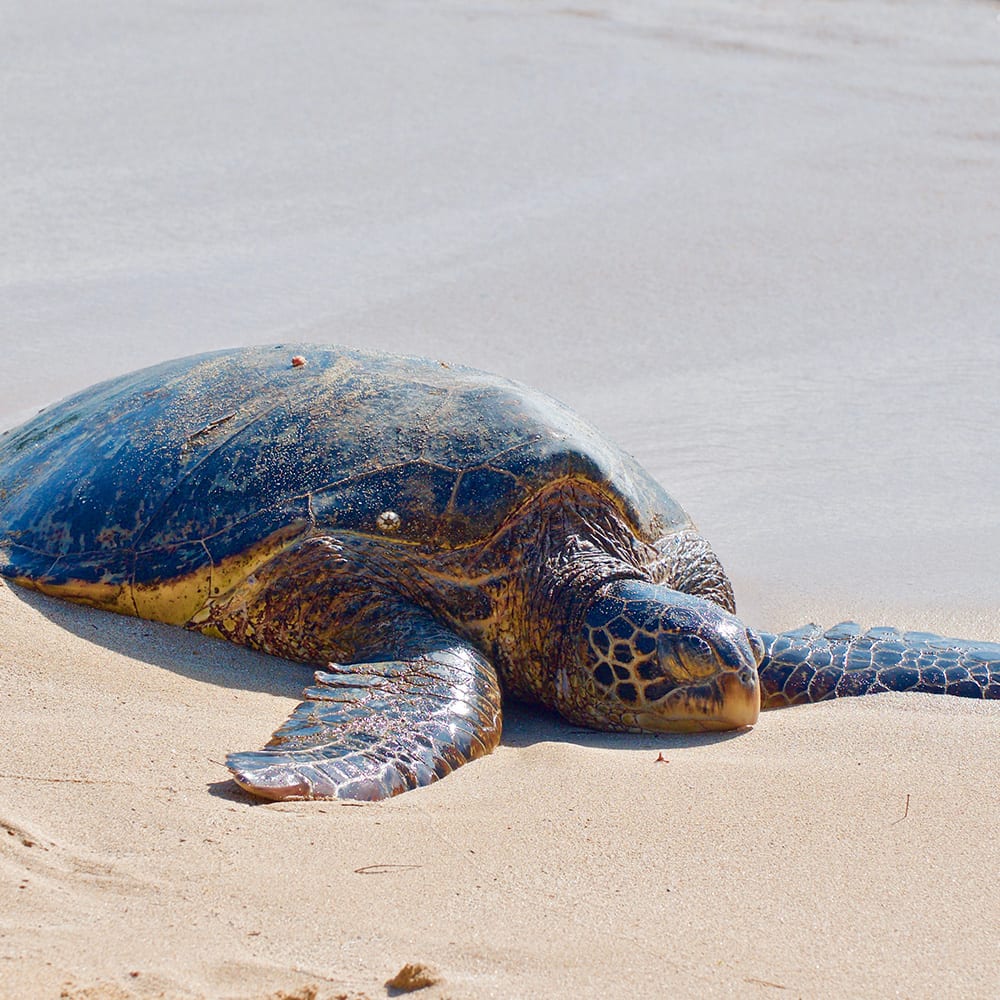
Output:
x=686 y=656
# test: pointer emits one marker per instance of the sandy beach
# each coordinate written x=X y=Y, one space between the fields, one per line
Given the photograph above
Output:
x=757 y=244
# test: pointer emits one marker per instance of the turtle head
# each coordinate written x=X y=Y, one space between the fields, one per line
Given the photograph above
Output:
x=656 y=659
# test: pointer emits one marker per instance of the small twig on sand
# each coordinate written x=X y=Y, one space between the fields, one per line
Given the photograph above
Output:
x=384 y=869
x=906 y=811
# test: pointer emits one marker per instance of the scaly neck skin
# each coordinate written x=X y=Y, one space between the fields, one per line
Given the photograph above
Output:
x=554 y=560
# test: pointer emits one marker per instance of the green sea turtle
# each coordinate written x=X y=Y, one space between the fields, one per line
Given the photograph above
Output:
x=429 y=535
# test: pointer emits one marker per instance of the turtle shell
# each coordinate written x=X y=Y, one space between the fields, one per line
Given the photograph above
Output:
x=173 y=472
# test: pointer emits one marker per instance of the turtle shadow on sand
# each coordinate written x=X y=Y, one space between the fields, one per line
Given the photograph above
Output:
x=525 y=725
x=187 y=653
x=210 y=661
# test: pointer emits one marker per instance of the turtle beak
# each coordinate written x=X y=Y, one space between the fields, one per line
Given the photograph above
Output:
x=741 y=699
x=739 y=683
x=738 y=680
x=730 y=701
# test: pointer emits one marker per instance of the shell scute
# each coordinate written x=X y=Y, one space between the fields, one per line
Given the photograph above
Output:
x=233 y=447
x=418 y=492
x=482 y=490
x=156 y=566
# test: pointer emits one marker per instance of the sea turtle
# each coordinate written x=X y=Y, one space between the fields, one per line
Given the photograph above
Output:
x=427 y=533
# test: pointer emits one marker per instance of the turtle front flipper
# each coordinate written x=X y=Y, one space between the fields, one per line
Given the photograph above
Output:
x=371 y=730
x=808 y=664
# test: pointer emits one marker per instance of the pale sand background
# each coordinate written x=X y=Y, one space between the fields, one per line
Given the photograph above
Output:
x=757 y=243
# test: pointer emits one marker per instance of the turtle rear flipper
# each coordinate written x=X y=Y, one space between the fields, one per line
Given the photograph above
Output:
x=808 y=664
x=373 y=730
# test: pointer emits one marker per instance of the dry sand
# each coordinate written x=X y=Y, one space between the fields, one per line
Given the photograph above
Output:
x=848 y=849
x=758 y=244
